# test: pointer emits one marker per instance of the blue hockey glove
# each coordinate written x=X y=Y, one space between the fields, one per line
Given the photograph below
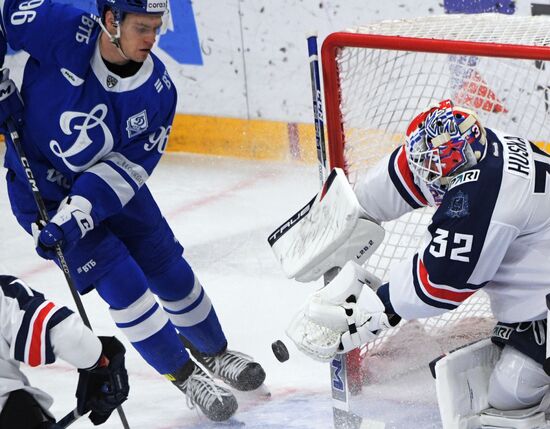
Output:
x=71 y=223
x=11 y=103
x=104 y=387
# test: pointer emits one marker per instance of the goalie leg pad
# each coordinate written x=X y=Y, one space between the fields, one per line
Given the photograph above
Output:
x=517 y=381
x=462 y=383
x=481 y=375
x=529 y=418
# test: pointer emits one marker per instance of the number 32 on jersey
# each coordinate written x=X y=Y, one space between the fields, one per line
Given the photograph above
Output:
x=459 y=245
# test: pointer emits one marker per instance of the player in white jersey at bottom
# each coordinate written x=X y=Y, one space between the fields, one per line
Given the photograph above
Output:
x=490 y=230
x=36 y=331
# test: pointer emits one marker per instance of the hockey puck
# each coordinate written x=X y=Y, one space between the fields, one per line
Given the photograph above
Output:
x=280 y=351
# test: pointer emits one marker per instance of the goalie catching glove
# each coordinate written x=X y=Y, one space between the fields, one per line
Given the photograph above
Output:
x=342 y=316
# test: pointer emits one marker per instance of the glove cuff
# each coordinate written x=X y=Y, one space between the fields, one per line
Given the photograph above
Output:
x=76 y=201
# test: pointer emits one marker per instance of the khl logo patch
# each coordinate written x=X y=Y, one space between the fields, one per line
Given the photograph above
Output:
x=137 y=124
x=111 y=81
x=459 y=206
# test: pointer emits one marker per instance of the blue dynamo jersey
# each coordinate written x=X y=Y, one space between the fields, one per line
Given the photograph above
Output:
x=87 y=131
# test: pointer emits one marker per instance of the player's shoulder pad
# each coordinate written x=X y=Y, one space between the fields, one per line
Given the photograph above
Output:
x=480 y=183
x=163 y=85
x=161 y=72
x=81 y=33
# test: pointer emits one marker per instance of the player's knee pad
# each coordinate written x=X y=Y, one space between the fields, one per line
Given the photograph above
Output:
x=123 y=285
x=140 y=320
x=173 y=283
x=517 y=381
x=191 y=310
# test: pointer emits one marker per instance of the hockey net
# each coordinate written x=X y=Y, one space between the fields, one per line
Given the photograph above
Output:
x=376 y=79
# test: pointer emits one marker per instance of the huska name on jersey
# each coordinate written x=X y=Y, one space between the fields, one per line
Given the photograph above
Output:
x=518 y=162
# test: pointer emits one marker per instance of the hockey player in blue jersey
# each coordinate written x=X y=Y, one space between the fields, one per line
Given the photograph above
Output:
x=490 y=230
x=98 y=110
x=36 y=331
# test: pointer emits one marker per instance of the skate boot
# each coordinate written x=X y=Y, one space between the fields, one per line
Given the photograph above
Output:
x=236 y=369
x=216 y=402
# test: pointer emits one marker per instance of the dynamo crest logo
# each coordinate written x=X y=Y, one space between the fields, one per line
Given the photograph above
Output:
x=79 y=124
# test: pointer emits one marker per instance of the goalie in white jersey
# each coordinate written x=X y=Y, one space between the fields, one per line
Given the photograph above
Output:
x=36 y=332
x=491 y=230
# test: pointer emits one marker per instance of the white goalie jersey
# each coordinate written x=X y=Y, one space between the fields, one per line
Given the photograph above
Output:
x=491 y=231
x=36 y=331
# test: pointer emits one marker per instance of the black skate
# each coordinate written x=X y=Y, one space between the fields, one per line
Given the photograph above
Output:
x=236 y=369
x=216 y=402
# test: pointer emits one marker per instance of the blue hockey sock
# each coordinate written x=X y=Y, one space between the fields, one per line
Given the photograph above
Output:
x=189 y=307
x=163 y=350
x=142 y=320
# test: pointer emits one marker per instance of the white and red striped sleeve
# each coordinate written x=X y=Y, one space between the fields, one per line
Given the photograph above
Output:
x=35 y=334
x=387 y=190
x=414 y=294
x=39 y=331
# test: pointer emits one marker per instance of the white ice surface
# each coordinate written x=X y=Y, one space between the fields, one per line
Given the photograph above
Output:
x=222 y=211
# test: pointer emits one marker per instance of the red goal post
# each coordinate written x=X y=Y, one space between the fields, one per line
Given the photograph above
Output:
x=377 y=77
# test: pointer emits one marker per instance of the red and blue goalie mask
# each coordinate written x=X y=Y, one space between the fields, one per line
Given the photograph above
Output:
x=441 y=142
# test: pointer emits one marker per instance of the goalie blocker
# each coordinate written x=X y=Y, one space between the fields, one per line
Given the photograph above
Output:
x=326 y=233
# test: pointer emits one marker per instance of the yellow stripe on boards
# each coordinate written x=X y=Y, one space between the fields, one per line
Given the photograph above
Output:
x=252 y=139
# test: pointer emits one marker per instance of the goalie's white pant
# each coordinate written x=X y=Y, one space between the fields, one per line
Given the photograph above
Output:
x=517 y=381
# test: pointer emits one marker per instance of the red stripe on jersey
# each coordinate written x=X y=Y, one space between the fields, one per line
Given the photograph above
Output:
x=35 y=350
x=405 y=173
x=437 y=292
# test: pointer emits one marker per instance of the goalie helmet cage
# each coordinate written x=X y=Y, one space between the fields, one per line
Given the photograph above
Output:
x=378 y=77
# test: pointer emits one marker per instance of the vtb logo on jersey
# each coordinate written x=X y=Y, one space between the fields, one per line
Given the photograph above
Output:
x=137 y=124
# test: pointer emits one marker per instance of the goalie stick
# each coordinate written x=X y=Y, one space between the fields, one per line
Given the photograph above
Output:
x=43 y=212
x=340 y=365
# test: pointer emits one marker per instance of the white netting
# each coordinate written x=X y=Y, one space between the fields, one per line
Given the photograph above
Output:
x=485 y=28
x=381 y=90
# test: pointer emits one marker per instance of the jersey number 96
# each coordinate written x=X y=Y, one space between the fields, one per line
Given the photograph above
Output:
x=25 y=13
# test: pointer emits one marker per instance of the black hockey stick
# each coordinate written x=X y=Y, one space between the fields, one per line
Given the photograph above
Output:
x=69 y=419
x=317 y=106
x=14 y=134
x=339 y=380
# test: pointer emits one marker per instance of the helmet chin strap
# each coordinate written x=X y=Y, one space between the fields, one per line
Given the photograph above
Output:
x=114 y=38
